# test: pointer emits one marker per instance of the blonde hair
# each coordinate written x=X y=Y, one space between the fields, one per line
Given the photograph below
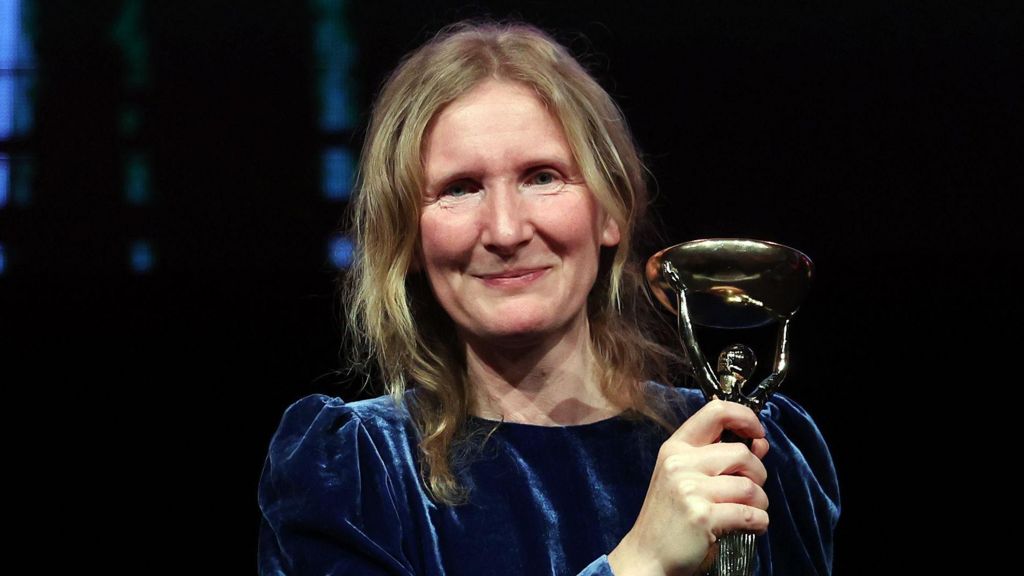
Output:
x=394 y=320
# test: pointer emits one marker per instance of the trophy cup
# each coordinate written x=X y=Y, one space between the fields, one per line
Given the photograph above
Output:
x=732 y=283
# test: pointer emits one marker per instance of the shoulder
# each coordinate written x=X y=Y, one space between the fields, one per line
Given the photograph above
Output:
x=322 y=413
x=319 y=426
x=797 y=444
x=333 y=487
x=325 y=449
x=781 y=407
x=323 y=406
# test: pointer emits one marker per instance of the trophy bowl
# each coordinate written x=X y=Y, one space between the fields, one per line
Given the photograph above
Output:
x=732 y=282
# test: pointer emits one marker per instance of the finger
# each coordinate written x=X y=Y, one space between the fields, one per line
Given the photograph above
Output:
x=728 y=517
x=726 y=458
x=705 y=426
x=735 y=490
x=760 y=447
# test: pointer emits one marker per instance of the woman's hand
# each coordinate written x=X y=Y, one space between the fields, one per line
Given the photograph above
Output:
x=700 y=490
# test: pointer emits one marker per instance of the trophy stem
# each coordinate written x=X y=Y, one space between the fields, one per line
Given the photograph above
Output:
x=736 y=553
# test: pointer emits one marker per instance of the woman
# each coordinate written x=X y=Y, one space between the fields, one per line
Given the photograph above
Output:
x=499 y=294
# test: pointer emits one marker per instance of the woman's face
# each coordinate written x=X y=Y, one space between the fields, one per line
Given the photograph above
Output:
x=510 y=233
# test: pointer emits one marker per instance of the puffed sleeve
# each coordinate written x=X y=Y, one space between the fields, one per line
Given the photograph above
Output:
x=327 y=501
x=803 y=493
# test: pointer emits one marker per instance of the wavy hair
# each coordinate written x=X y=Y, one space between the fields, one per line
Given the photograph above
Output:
x=395 y=324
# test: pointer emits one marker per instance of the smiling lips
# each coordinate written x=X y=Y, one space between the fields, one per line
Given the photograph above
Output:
x=512 y=278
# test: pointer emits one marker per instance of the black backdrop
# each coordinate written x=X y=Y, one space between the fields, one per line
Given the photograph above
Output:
x=883 y=141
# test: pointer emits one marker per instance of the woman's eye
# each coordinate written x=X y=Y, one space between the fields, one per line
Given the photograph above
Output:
x=457 y=189
x=546 y=179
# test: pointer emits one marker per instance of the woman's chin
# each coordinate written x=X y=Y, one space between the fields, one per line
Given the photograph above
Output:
x=520 y=332
x=518 y=335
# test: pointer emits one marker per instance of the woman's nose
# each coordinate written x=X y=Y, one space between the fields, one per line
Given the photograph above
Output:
x=507 y=225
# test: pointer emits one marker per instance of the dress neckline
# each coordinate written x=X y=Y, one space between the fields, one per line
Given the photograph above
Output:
x=565 y=427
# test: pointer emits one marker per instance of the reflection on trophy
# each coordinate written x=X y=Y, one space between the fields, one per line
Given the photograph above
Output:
x=732 y=283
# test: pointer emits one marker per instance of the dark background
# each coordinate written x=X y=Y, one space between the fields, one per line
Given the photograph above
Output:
x=882 y=140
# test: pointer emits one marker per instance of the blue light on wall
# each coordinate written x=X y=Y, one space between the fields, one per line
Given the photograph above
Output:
x=338 y=169
x=141 y=258
x=3 y=260
x=335 y=53
x=336 y=112
x=5 y=179
x=6 y=101
x=10 y=18
x=136 y=180
x=341 y=252
x=128 y=33
x=17 y=70
x=17 y=77
x=9 y=28
x=16 y=173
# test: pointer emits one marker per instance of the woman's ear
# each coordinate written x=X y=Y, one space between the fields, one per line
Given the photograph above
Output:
x=610 y=235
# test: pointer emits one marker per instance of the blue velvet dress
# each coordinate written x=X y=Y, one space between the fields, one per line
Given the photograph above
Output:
x=341 y=494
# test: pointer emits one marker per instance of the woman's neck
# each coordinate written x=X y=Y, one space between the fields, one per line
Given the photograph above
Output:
x=553 y=381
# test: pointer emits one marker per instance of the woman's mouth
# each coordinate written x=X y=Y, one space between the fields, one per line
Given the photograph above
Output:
x=513 y=278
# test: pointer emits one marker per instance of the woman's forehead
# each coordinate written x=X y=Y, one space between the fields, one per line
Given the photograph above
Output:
x=495 y=121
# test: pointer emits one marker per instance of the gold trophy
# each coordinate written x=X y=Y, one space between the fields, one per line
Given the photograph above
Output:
x=732 y=283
